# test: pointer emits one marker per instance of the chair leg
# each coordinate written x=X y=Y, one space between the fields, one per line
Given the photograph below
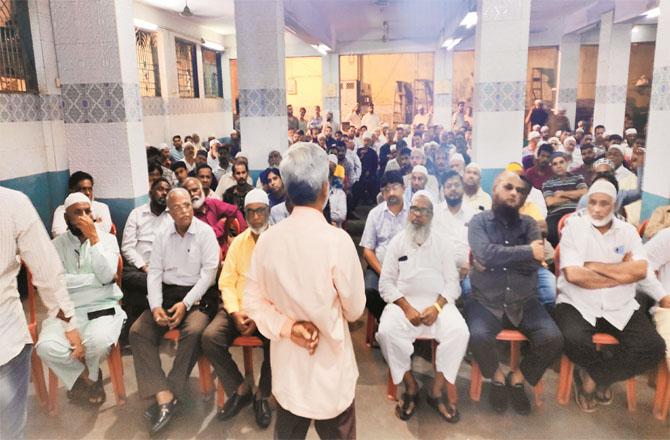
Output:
x=661 y=385
x=53 y=393
x=37 y=372
x=630 y=394
x=537 y=390
x=391 y=388
x=370 y=330
x=115 y=363
x=248 y=363
x=515 y=353
x=220 y=394
x=475 y=382
x=205 y=373
x=564 y=381
x=665 y=407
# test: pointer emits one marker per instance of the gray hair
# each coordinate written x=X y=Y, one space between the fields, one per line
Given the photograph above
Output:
x=304 y=170
x=177 y=191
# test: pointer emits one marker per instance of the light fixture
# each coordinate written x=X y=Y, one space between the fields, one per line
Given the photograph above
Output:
x=469 y=20
x=450 y=43
x=145 y=25
x=214 y=46
x=653 y=13
x=186 y=12
x=321 y=48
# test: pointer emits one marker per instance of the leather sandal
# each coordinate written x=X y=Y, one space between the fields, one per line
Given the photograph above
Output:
x=452 y=415
x=585 y=401
x=407 y=406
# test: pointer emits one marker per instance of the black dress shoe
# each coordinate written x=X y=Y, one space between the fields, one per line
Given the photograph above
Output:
x=163 y=417
x=518 y=397
x=498 y=397
x=151 y=412
x=263 y=413
x=233 y=405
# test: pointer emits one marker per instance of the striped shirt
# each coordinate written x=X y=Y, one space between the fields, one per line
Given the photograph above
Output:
x=567 y=182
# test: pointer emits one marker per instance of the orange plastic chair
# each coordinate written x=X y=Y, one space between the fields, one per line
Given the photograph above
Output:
x=204 y=367
x=642 y=228
x=561 y=223
x=114 y=362
x=514 y=337
x=662 y=395
x=392 y=389
x=112 y=230
x=248 y=343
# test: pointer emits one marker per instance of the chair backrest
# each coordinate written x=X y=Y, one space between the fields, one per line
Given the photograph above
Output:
x=557 y=260
x=112 y=230
x=642 y=228
x=561 y=223
x=119 y=272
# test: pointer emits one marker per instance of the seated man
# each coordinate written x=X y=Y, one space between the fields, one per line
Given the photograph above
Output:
x=384 y=221
x=235 y=194
x=206 y=177
x=337 y=199
x=658 y=254
x=180 y=172
x=138 y=238
x=272 y=184
x=82 y=182
x=453 y=206
x=602 y=258
x=475 y=196
x=507 y=251
x=420 y=179
x=232 y=321
x=90 y=257
x=541 y=171
x=419 y=281
x=182 y=295
x=217 y=214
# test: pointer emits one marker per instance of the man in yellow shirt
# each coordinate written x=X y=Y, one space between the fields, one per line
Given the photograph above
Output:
x=231 y=321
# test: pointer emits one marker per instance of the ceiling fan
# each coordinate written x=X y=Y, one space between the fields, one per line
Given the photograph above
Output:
x=186 y=12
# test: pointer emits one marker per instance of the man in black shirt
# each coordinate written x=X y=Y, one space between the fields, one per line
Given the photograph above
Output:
x=235 y=194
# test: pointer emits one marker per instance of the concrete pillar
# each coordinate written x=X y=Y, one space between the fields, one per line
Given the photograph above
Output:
x=331 y=85
x=442 y=97
x=612 y=76
x=95 y=47
x=568 y=76
x=500 y=86
x=656 y=185
x=227 y=94
x=259 y=28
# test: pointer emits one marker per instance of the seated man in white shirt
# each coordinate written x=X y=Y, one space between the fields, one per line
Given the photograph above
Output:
x=138 y=238
x=453 y=206
x=601 y=259
x=474 y=195
x=182 y=295
x=419 y=281
x=419 y=179
x=90 y=257
x=82 y=182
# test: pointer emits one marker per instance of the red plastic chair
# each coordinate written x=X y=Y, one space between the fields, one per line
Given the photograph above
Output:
x=561 y=223
x=112 y=230
x=662 y=395
x=248 y=343
x=642 y=228
x=204 y=367
x=392 y=389
x=514 y=337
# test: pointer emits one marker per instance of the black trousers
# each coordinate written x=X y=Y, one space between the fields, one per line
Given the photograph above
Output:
x=290 y=426
x=545 y=338
x=134 y=286
x=640 y=346
x=552 y=225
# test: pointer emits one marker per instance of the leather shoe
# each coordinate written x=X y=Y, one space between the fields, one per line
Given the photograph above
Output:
x=263 y=413
x=518 y=397
x=233 y=405
x=151 y=412
x=498 y=397
x=163 y=417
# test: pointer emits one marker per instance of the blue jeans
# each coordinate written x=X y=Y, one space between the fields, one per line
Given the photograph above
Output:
x=14 y=376
x=546 y=288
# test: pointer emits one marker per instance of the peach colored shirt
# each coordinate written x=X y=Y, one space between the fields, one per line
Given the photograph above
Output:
x=305 y=269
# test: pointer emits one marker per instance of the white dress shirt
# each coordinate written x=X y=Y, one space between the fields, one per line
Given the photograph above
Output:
x=582 y=242
x=658 y=255
x=380 y=227
x=23 y=237
x=357 y=167
x=370 y=120
x=191 y=260
x=139 y=232
x=98 y=209
x=462 y=217
x=338 y=206
x=480 y=198
x=535 y=196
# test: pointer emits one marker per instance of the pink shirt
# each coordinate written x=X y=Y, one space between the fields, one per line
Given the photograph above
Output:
x=305 y=269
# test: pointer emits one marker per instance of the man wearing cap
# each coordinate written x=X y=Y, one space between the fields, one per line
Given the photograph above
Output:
x=601 y=259
x=457 y=163
x=232 y=321
x=541 y=172
x=384 y=221
x=420 y=283
x=561 y=193
x=473 y=194
x=533 y=140
x=82 y=182
x=417 y=180
x=235 y=194
x=625 y=177
x=90 y=257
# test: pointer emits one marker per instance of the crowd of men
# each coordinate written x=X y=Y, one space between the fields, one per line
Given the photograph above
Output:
x=216 y=256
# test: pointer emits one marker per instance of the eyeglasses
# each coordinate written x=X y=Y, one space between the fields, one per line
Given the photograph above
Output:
x=253 y=212
x=417 y=210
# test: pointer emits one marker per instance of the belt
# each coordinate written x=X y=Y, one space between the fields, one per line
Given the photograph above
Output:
x=100 y=313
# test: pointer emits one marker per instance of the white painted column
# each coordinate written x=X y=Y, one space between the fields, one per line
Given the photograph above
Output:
x=95 y=46
x=568 y=76
x=261 y=73
x=500 y=85
x=612 y=76
x=442 y=96
x=331 y=85
x=656 y=185
x=227 y=94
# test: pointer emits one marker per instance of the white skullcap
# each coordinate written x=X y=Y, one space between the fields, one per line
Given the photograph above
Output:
x=75 y=197
x=367 y=135
x=426 y=194
x=431 y=144
x=604 y=187
x=554 y=139
x=457 y=157
x=256 y=195
x=630 y=131
x=558 y=133
x=393 y=147
x=163 y=146
x=213 y=143
x=420 y=169
x=241 y=154
x=543 y=127
x=579 y=130
x=332 y=158
x=617 y=147
x=533 y=135
x=474 y=166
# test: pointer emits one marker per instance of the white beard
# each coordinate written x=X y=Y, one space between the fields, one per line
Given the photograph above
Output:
x=197 y=202
x=259 y=231
x=602 y=222
x=417 y=235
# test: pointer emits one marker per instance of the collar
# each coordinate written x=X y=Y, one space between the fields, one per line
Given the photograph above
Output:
x=191 y=229
x=307 y=212
x=74 y=240
x=386 y=209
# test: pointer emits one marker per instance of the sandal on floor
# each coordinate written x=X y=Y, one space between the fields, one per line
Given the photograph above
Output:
x=452 y=415
x=407 y=406
x=585 y=401
x=604 y=395
x=96 y=392
x=79 y=391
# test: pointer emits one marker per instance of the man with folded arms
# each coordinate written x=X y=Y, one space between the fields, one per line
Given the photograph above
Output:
x=182 y=295
x=232 y=320
x=304 y=286
x=420 y=283
x=90 y=257
x=602 y=258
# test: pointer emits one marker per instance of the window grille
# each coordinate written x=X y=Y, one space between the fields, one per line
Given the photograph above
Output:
x=211 y=67
x=187 y=73
x=17 y=62
x=146 y=50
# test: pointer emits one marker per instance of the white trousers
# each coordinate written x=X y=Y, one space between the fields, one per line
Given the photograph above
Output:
x=97 y=336
x=396 y=336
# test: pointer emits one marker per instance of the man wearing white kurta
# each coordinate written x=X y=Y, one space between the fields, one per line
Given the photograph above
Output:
x=419 y=281
x=90 y=257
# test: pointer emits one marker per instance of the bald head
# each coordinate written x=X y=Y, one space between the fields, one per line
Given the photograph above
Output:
x=508 y=190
